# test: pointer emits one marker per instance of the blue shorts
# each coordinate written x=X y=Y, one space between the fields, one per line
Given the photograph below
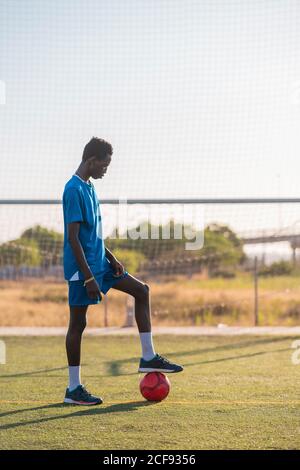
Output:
x=78 y=292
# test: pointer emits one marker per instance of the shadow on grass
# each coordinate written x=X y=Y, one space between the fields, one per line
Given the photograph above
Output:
x=99 y=410
x=33 y=372
x=114 y=367
x=231 y=358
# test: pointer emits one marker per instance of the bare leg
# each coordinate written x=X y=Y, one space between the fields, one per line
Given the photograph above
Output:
x=150 y=362
x=77 y=325
x=140 y=291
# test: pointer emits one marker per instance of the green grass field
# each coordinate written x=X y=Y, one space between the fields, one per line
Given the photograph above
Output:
x=235 y=393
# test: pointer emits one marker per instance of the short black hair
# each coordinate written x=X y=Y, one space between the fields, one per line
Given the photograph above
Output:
x=96 y=147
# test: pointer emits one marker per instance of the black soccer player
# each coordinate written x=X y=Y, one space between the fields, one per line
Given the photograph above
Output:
x=90 y=268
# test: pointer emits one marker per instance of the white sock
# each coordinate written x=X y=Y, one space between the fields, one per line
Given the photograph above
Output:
x=74 y=377
x=147 y=346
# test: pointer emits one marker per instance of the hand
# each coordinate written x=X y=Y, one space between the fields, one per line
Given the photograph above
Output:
x=93 y=290
x=117 y=267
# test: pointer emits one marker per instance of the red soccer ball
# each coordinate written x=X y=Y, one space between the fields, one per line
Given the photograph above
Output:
x=155 y=386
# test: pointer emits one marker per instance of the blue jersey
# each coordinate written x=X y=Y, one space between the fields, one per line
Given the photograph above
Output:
x=80 y=204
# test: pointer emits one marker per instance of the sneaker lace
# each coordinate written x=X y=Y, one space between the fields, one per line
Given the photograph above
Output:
x=85 y=393
x=164 y=360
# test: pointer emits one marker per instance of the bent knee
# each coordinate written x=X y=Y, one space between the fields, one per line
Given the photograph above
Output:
x=142 y=292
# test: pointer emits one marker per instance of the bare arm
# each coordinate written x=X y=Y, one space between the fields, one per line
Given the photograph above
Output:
x=109 y=254
x=73 y=231
x=116 y=265
x=92 y=287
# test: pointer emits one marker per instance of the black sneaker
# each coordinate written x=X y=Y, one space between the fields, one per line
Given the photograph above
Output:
x=158 y=364
x=80 y=396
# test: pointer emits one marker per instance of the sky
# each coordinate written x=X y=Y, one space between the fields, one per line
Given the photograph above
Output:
x=197 y=98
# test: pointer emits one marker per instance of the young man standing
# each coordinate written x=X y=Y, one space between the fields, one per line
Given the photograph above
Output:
x=90 y=268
